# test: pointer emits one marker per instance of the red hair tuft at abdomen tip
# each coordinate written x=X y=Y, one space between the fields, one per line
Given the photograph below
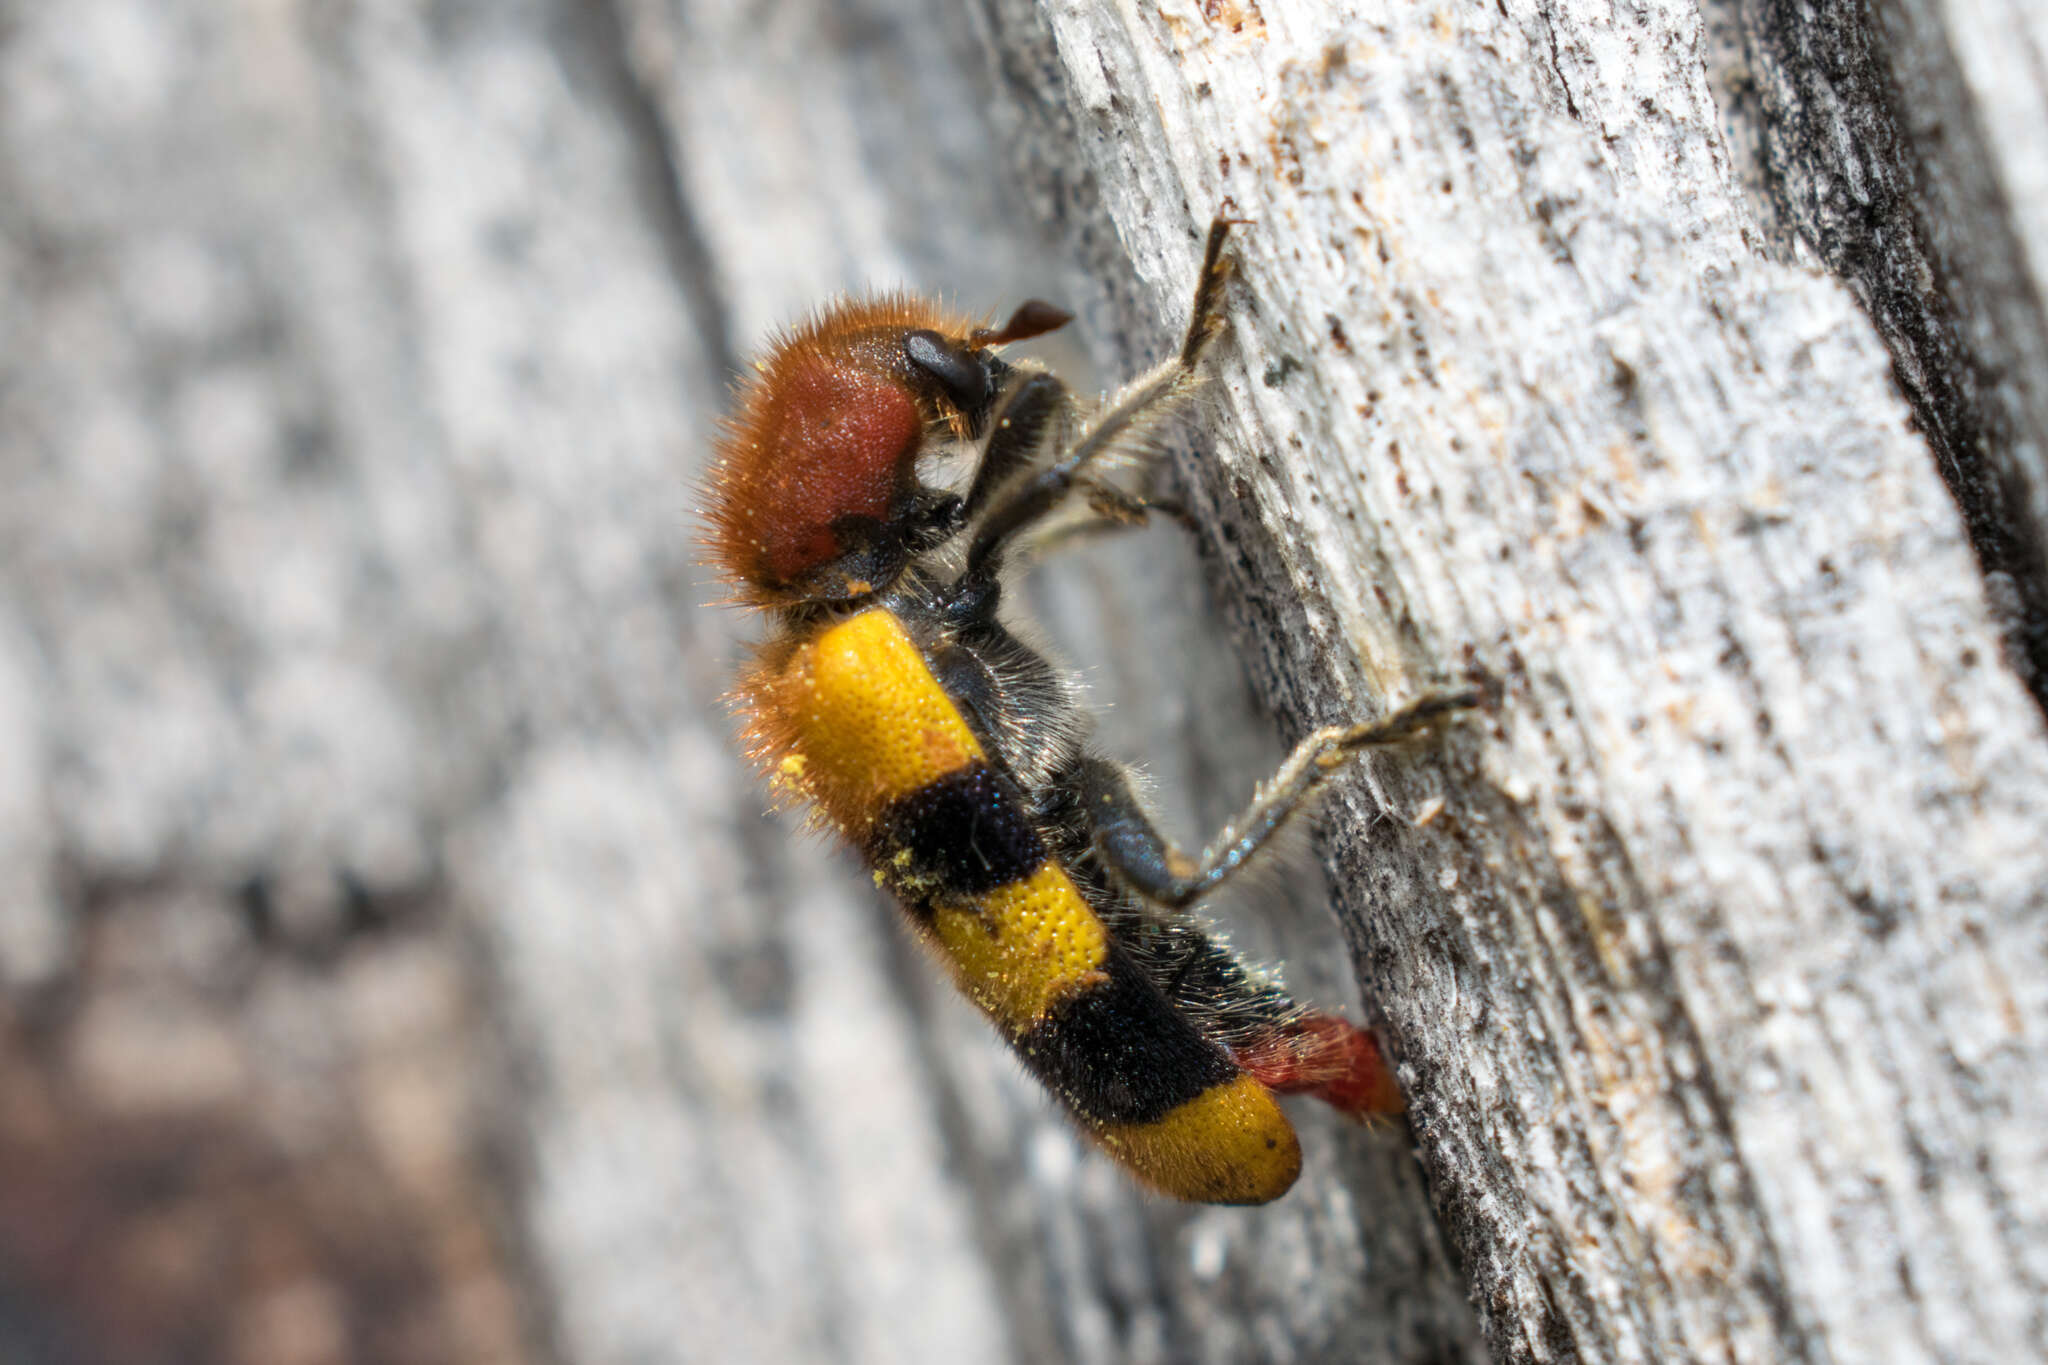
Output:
x=1328 y=1057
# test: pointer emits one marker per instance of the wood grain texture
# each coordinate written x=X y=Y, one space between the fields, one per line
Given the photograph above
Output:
x=1720 y=982
x=1894 y=139
x=396 y=963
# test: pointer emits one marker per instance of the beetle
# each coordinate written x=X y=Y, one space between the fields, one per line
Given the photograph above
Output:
x=893 y=701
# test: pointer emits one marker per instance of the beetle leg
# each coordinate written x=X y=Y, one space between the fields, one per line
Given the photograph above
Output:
x=1127 y=420
x=1131 y=847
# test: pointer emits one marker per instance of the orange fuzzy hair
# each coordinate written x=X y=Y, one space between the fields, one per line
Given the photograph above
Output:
x=829 y=425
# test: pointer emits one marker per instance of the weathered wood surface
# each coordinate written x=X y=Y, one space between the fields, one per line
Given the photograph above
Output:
x=398 y=966
x=1904 y=147
x=1722 y=987
x=1721 y=982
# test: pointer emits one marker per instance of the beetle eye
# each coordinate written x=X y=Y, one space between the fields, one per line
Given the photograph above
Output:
x=962 y=373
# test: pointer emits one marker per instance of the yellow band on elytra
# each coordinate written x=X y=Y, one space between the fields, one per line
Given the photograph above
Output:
x=872 y=723
x=1228 y=1145
x=1020 y=947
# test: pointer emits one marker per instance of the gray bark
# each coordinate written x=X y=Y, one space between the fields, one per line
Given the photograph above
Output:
x=395 y=962
x=1717 y=988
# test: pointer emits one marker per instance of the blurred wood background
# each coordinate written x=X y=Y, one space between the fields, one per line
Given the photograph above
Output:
x=396 y=964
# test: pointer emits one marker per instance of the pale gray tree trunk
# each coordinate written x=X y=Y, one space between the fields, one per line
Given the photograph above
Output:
x=396 y=963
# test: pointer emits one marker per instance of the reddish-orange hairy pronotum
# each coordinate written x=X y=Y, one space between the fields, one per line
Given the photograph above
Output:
x=819 y=461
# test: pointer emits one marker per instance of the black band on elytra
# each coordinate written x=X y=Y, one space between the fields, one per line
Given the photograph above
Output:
x=1118 y=1053
x=965 y=833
